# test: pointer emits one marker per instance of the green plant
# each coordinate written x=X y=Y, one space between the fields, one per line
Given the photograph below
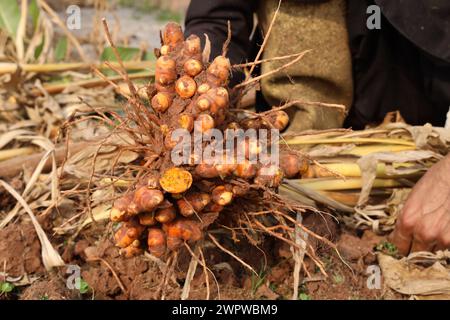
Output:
x=387 y=247
x=338 y=278
x=145 y=6
x=304 y=296
x=9 y=17
x=61 y=49
x=168 y=15
x=6 y=287
x=272 y=286
x=258 y=280
x=303 y=292
x=327 y=261
x=84 y=286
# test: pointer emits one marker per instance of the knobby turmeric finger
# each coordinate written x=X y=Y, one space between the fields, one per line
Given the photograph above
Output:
x=156 y=241
x=166 y=215
x=185 y=87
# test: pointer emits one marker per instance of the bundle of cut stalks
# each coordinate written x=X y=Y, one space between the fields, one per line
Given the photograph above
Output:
x=366 y=174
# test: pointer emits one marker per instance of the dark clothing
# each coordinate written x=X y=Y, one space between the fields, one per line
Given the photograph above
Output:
x=403 y=66
x=400 y=67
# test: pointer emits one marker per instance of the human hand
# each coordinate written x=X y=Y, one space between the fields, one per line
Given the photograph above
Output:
x=424 y=223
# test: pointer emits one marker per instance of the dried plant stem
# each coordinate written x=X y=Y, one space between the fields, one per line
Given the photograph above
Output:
x=278 y=236
x=11 y=153
x=316 y=196
x=363 y=150
x=390 y=141
x=249 y=64
x=231 y=254
x=114 y=273
x=287 y=65
x=191 y=271
x=289 y=104
x=119 y=59
x=8 y=67
x=50 y=257
x=354 y=170
x=205 y=272
x=325 y=184
x=168 y=275
x=21 y=30
x=12 y=167
x=300 y=238
x=266 y=38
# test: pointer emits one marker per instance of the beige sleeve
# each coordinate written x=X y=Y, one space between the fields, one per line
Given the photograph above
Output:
x=322 y=75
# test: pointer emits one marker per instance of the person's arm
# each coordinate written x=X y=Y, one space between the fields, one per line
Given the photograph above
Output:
x=424 y=223
x=211 y=17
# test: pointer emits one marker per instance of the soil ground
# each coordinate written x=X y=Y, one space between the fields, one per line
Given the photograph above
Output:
x=98 y=259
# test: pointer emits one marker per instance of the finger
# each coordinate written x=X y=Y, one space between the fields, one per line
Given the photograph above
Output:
x=443 y=239
x=420 y=245
x=426 y=232
x=401 y=240
x=403 y=234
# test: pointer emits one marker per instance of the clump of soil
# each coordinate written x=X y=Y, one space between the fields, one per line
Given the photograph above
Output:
x=20 y=250
x=48 y=289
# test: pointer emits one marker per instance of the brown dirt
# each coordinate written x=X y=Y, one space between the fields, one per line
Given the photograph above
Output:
x=20 y=250
x=48 y=289
x=272 y=260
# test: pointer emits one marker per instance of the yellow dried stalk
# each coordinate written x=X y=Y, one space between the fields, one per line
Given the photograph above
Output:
x=8 y=67
x=386 y=141
x=327 y=184
x=11 y=153
x=353 y=170
x=365 y=150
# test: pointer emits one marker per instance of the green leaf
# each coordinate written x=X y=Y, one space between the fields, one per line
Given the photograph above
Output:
x=387 y=247
x=9 y=16
x=125 y=53
x=304 y=296
x=169 y=15
x=338 y=278
x=149 y=56
x=61 y=49
x=39 y=48
x=34 y=12
x=6 y=287
x=84 y=286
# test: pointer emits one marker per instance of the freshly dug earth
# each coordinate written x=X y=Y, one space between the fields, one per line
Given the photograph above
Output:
x=141 y=277
x=20 y=250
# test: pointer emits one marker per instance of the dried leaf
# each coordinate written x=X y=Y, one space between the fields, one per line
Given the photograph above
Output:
x=9 y=17
x=50 y=257
x=368 y=165
x=410 y=279
x=329 y=151
x=206 y=50
x=11 y=135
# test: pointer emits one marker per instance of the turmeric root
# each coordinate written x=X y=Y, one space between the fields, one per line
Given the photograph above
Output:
x=168 y=201
x=146 y=200
x=176 y=180
x=156 y=241
x=127 y=233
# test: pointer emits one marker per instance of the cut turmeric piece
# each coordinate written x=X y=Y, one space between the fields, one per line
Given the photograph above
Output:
x=176 y=180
